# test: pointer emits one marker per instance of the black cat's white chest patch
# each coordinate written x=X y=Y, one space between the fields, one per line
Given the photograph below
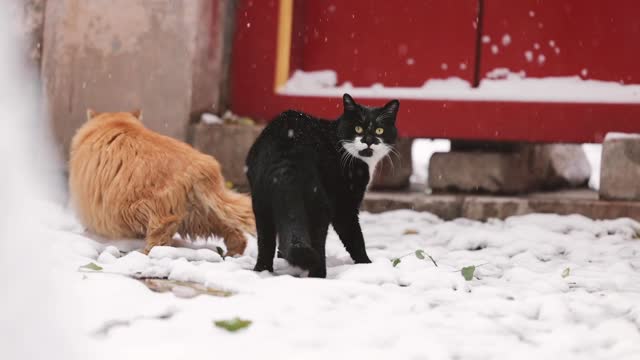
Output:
x=377 y=152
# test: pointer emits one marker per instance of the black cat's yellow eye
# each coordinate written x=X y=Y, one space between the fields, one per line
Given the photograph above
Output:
x=359 y=129
x=379 y=131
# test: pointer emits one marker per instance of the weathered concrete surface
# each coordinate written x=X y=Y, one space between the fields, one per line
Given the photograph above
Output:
x=395 y=171
x=444 y=206
x=447 y=206
x=523 y=169
x=30 y=13
x=229 y=144
x=212 y=57
x=492 y=172
x=620 y=168
x=114 y=55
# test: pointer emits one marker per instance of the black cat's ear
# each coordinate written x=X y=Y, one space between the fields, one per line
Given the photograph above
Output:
x=392 y=107
x=349 y=103
x=389 y=111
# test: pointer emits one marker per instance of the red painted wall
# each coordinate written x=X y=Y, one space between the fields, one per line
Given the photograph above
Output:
x=564 y=37
x=601 y=38
x=396 y=43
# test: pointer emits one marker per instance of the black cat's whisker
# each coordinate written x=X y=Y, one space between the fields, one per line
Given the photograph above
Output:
x=388 y=156
x=395 y=152
x=345 y=158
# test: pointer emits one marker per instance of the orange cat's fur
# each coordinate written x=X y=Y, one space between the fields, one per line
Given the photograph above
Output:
x=129 y=182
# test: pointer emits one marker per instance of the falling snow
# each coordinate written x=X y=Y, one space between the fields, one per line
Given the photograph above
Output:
x=411 y=61
x=541 y=59
x=528 y=55
x=506 y=40
x=486 y=39
x=494 y=49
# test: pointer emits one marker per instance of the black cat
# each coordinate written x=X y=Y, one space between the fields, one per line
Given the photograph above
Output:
x=306 y=173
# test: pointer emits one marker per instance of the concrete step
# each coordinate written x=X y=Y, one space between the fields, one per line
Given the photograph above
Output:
x=482 y=207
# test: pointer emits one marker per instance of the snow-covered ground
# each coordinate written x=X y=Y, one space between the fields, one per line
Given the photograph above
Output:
x=545 y=286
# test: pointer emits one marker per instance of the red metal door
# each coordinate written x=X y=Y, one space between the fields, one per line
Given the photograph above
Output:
x=394 y=43
x=593 y=39
x=407 y=43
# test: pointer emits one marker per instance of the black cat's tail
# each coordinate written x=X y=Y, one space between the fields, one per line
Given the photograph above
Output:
x=294 y=240
x=292 y=225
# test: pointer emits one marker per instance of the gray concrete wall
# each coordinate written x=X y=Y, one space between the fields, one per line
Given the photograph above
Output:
x=31 y=13
x=162 y=56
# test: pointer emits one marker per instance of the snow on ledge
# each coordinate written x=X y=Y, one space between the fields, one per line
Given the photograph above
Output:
x=501 y=85
x=619 y=136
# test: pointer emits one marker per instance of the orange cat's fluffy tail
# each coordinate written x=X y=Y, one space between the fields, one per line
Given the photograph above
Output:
x=238 y=207
x=234 y=208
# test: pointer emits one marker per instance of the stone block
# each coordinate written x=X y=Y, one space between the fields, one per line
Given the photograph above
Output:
x=561 y=166
x=480 y=172
x=483 y=207
x=395 y=171
x=523 y=169
x=229 y=144
x=114 y=55
x=620 y=167
x=447 y=207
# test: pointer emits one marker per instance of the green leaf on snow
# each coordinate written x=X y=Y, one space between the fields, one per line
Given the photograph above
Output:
x=90 y=266
x=233 y=325
x=467 y=272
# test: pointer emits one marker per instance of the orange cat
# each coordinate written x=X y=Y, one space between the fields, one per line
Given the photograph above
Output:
x=129 y=182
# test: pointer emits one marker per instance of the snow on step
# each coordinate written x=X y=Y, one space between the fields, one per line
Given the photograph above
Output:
x=619 y=135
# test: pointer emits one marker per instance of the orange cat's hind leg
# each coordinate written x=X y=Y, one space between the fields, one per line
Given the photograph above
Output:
x=160 y=231
x=234 y=239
